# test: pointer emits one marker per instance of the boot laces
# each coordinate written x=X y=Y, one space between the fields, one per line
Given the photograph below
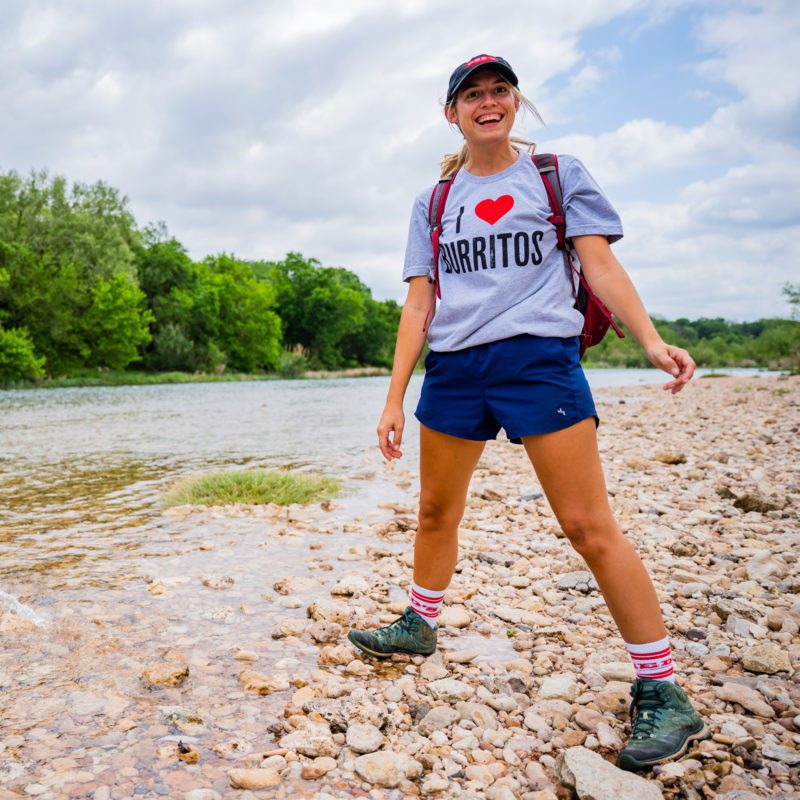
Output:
x=645 y=720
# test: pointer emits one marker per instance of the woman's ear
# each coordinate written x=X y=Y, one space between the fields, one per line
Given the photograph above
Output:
x=450 y=115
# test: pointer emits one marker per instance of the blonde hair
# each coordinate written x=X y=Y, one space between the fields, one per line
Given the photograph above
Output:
x=450 y=163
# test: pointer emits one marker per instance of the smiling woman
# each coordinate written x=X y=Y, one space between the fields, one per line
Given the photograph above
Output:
x=504 y=354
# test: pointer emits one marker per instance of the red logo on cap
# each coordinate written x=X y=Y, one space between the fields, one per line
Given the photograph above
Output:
x=479 y=60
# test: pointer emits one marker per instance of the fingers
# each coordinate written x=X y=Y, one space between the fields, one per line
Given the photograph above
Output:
x=682 y=369
x=389 y=439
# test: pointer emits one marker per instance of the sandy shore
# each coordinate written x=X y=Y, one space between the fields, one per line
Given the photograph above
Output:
x=528 y=693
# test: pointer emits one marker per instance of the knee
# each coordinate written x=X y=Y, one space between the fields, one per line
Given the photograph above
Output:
x=436 y=516
x=593 y=538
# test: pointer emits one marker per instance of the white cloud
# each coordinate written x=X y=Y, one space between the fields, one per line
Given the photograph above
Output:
x=262 y=127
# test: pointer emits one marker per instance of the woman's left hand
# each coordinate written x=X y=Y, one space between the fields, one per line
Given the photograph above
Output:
x=674 y=360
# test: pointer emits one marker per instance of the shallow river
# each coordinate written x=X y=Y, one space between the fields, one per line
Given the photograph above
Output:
x=107 y=579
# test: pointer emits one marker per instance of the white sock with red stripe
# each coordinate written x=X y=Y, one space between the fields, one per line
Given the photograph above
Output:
x=427 y=603
x=653 y=660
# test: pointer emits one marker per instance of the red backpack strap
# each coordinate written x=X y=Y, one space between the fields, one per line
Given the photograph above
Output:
x=547 y=164
x=436 y=208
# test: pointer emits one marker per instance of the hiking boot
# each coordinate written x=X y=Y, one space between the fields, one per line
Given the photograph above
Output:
x=663 y=725
x=407 y=634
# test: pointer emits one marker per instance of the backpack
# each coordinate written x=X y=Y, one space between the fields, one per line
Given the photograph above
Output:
x=596 y=317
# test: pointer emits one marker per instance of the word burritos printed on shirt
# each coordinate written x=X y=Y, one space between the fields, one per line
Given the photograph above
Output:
x=500 y=271
x=494 y=250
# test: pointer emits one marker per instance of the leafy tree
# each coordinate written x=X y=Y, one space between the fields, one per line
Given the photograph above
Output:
x=238 y=309
x=116 y=324
x=18 y=359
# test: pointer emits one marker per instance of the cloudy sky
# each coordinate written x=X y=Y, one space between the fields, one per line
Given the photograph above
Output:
x=260 y=127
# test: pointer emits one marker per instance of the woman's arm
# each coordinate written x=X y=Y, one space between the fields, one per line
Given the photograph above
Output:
x=410 y=341
x=611 y=284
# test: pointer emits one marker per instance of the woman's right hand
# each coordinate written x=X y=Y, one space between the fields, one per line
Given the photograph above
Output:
x=390 y=432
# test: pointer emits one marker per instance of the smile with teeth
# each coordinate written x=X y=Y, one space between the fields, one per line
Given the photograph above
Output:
x=487 y=118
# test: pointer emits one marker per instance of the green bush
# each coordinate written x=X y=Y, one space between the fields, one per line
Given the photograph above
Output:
x=18 y=359
x=292 y=362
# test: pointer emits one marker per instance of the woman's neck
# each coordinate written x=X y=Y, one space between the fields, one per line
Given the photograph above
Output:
x=490 y=160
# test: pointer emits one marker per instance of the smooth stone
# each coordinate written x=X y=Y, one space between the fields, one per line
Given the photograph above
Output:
x=387 y=768
x=617 y=671
x=437 y=719
x=313 y=739
x=168 y=674
x=581 y=581
x=764 y=568
x=450 y=690
x=593 y=778
x=253 y=778
x=558 y=687
x=318 y=768
x=766 y=658
x=363 y=738
x=786 y=755
x=454 y=617
x=746 y=697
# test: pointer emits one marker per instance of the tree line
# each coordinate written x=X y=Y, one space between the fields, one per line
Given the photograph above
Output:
x=82 y=286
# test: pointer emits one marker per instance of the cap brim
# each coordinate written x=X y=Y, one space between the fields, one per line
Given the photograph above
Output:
x=506 y=72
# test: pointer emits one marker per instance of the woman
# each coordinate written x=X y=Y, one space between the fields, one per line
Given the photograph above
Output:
x=504 y=352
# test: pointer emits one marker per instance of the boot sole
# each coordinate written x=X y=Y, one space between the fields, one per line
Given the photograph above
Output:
x=635 y=765
x=399 y=651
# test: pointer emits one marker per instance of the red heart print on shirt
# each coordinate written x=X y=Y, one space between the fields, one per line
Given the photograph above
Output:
x=492 y=210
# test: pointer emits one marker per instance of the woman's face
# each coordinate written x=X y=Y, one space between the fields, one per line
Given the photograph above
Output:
x=485 y=108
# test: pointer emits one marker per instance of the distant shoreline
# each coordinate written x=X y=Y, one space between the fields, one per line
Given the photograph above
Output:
x=111 y=378
x=100 y=379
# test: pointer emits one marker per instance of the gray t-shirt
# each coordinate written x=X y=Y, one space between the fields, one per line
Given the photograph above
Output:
x=500 y=272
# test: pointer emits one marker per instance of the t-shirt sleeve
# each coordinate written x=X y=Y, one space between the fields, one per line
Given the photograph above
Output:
x=419 y=253
x=586 y=208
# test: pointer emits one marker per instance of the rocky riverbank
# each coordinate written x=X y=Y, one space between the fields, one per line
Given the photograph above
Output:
x=528 y=694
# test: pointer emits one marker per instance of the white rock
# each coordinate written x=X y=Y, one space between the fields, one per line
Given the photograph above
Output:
x=313 y=739
x=450 y=690
x=593 y=778
x=364 y=738
x=766 y=658
x=559 y=687
x=253 y=778
x=765 y=568
x=617 y=671
x=437 y=719
x=387 y=768
x=454 y=617
x=351 y=585
x=746 y=697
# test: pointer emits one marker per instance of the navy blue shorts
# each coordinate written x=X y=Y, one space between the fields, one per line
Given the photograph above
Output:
x=525 y=384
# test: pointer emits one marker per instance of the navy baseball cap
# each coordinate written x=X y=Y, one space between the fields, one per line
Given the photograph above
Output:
x=463 y=71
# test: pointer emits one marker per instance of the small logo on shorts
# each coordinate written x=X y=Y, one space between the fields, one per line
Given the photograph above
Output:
x=561 y=411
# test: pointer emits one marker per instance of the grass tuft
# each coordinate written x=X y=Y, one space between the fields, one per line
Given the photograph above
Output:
x=251 y=487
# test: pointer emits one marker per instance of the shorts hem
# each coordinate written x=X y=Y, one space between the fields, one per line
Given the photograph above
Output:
x=440 y=429
x=567 y=423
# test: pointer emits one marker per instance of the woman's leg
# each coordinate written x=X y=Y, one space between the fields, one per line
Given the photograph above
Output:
x=446 y=467
x=567 y=463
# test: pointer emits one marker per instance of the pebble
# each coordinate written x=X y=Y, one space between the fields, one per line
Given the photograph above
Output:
x=766 y=658
x=450 y=690
x=166 y=674
x=253 y=778
x=387 y=768
x=363 y=738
